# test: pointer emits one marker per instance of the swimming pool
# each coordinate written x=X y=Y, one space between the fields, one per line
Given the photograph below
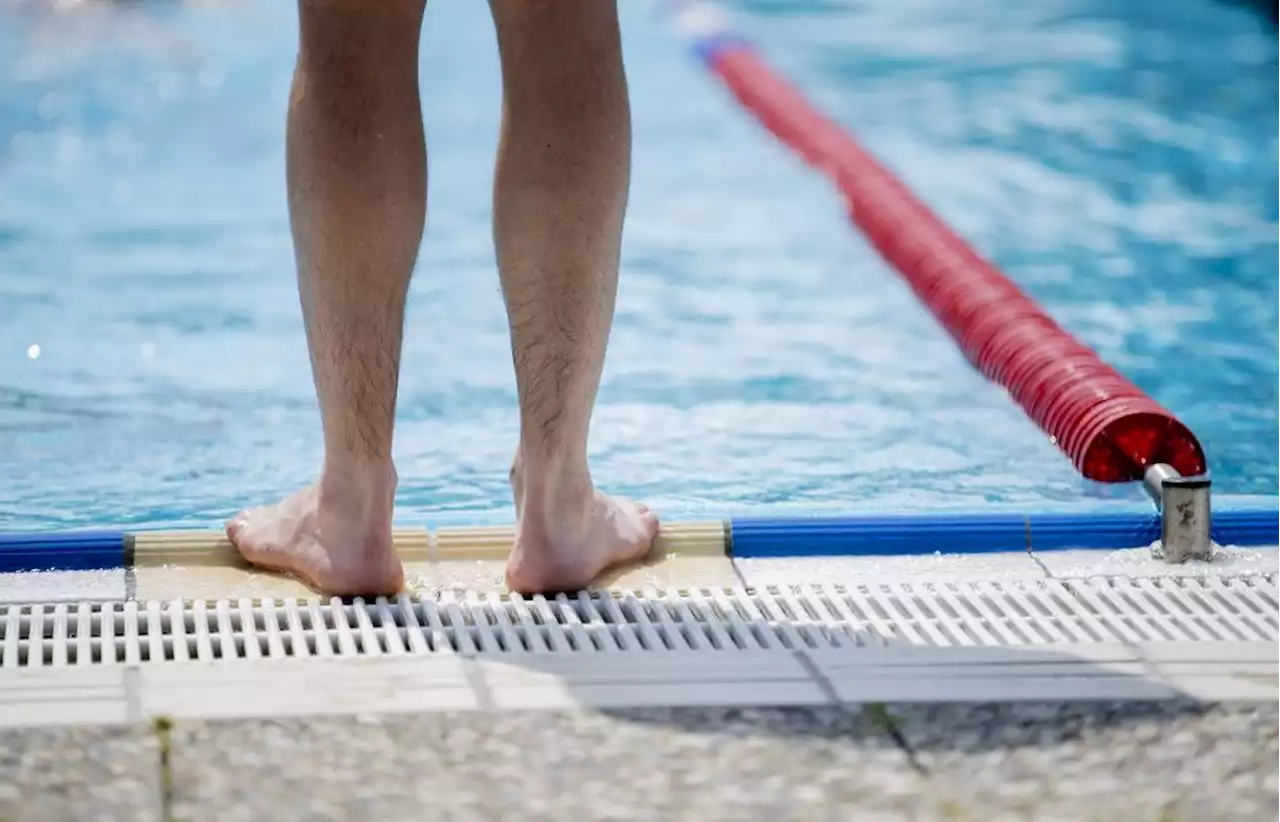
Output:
x=1121 y=168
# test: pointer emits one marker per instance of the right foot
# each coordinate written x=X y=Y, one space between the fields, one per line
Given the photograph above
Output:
x=566 y=545
x=334 y=536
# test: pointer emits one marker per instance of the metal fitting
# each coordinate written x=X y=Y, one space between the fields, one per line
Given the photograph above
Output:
x=1185 y=513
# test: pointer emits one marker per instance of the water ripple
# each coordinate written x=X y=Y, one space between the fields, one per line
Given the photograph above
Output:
x=1119 y=161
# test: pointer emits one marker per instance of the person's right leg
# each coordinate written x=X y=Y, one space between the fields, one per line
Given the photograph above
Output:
x=560 y=193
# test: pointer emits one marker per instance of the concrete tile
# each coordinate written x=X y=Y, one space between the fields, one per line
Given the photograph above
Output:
x=674 y=573
x=760 y=573
x=275 y=688
x=1139 y=562
x=484 y=576
x=1089 y=761
x=1255 y=686
x=1021 y=656
x=216 y=582
x=566 y=695
x=607 y=680
x=988 y=674
x=93 y=695
x=62 y=586
x=1093 y=761
x=998 y=686
x=480 y=576
x=1212 y=653
x=688 y=667
x=712 y=764
x=99 y=773
x=235 y=581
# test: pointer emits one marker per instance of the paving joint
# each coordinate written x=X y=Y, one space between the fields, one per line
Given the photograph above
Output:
x=879 y=714
x=162 y=728
x=473 y=672
x=815 y=673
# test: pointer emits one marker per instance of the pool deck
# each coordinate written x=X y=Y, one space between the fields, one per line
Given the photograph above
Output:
x=1105 y=731
x=1070 y=761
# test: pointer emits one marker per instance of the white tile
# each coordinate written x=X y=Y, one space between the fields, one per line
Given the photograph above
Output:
x=1139 y=562
x=1214 y=688
x=999 y=567
x=59 y=696
x=1252 y=671
x=1213 y=653
x=602 y=680
x=62 y=586
x=946 y=666
x=938 y=657
x=568 y=694
x=305 y=687
x=66 y=712
x=1008 y=687
x=317 y=699
x=641 y=668
x=956 y=674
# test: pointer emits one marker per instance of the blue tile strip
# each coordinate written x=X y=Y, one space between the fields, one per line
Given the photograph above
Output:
x=62 y=551
x=979 y=533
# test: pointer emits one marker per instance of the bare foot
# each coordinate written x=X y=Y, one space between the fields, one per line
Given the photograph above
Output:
x=338 y=542
x=565 y=546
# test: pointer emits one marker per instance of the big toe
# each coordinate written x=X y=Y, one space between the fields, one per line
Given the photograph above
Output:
x=235 y=527
x=648 y=519
x=244 y=534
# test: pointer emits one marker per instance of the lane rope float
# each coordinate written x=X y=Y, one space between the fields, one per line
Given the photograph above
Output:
x=1107 y=426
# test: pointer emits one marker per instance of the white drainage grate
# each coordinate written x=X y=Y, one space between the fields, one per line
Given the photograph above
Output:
x=1217 y=609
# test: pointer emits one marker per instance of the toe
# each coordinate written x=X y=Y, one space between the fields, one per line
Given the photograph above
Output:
x=650 y=520
x=249 y=543
x=235 y=526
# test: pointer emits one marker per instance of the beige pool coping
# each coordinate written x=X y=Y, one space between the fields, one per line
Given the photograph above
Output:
x=204 y=564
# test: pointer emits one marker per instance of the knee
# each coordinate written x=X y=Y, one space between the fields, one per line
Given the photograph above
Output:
x=388 y=7
x=365 y=24
x=565 y=17
x=346 y=34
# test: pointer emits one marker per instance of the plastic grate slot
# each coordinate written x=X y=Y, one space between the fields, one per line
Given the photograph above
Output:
x=719 y=620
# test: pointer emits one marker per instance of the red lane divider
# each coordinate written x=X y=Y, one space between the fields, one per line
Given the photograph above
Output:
x=1105 y=424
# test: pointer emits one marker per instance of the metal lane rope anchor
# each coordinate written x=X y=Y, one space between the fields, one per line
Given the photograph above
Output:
x=1186 y=515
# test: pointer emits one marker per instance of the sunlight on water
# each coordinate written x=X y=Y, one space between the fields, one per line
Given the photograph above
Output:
x=1119 y=162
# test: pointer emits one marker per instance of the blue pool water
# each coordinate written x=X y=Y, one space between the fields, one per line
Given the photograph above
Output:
x=1118 y=160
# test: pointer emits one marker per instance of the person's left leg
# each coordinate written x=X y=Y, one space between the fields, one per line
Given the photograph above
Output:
x=356 y=172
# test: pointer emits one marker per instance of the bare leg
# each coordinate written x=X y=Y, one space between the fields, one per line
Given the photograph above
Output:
x=356 y=170
x=560 y=194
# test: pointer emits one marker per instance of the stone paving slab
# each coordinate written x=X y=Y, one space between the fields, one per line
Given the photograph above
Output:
x=1162 y=761
x=1165 y=760
x=651 y=764
x=92 y=773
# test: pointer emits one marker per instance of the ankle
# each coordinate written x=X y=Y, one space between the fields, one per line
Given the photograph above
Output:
x=553 y=489
x=365 y=485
